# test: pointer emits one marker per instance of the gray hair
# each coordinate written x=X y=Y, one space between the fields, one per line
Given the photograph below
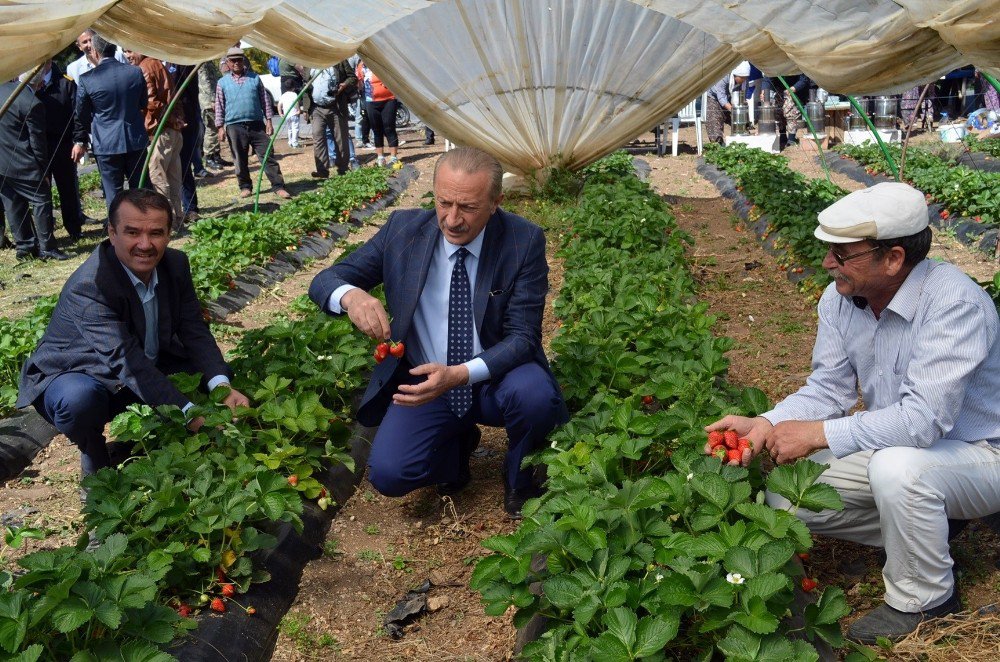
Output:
x=102 y=46
x=472 y=160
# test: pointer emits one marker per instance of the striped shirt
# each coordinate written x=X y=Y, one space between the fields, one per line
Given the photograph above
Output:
x=928 y=368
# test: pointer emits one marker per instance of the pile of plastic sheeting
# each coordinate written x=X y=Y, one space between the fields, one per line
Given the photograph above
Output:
x=542 y=82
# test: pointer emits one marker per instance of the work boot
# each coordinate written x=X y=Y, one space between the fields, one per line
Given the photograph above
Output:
x=888 y=622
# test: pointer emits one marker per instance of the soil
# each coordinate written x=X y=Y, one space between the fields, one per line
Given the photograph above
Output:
x=378 y=548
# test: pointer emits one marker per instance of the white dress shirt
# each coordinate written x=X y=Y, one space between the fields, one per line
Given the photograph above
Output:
x=428 y=338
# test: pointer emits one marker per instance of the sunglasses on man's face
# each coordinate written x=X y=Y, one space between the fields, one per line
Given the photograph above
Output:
x=842 y=259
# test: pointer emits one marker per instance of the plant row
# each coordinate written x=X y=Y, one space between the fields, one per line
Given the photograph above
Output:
x=960 y=190
x=221 y=248
x=643 y=546
x=180 y=521
x=790 y=200
x=990 y=146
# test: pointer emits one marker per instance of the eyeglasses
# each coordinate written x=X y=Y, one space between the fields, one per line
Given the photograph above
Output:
x=842 y=259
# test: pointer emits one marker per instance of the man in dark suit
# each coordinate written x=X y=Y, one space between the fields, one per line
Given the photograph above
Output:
x=466 y=285
x=125 y=319
x=25 y=188
x=109 y=103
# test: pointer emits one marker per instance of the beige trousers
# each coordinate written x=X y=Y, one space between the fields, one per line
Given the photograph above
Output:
x=165 y=171
x=901 y=499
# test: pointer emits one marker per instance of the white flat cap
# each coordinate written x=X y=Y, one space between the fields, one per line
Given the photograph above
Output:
x=742 y=69
x=885 y=211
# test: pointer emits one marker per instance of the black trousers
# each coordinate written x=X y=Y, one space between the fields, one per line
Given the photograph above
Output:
x=336 y=120
x=192 y=141
x=63 y=171
x=245 y=135
x=382 y=115
x=27 y=204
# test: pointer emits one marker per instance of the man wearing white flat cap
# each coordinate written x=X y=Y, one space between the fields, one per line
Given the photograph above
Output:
x=719 y=104
x=920 y=339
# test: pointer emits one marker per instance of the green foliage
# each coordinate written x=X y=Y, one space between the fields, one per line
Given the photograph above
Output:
x=222 y=247
x=790 y=200
x=990 y=146
x=641 y=532
x=18 y=339
x=961 y=190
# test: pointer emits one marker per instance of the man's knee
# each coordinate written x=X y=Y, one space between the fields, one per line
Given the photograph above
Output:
x=530 y=393
x=75 y=402
x=388 y=479
x=893 y=471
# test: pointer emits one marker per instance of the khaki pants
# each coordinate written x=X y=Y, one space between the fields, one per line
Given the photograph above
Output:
x=901 y=498
x=210 y=147
x=165 y=171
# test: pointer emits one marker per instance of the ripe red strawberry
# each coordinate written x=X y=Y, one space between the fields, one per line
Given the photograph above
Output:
x=251 y=611
x=734 y=455
x=809 y=584
x=293 y=480
x=397 y=349
x=716 y=438
x=732 y=439
x=944 y=214
x=184 y=610
x=228 y=590
x=743 y=443
x=381 y=352
x=218 y=605
x=220 y=574
x=647 y=400
x=804 y=556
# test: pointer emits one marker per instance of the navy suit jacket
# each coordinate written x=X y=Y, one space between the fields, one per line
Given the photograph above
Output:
x=508 y=301
x=98 y=328
x=24 y=153
x=110 y=99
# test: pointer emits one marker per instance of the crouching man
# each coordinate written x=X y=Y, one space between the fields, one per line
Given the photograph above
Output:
x=125 y=319
x=920 y=339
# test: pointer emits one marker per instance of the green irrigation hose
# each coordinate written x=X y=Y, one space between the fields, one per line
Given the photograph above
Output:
x=274 y=136
x=878 y=138
x=812 y=130
x=162 y=125
x=992 y=81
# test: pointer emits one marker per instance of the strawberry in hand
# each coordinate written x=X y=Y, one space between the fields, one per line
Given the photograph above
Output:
x=397 y=349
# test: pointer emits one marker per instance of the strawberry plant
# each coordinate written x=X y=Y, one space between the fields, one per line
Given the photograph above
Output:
x=960 y=190
x=18 y=338
x=650 y=548
x=990 y=146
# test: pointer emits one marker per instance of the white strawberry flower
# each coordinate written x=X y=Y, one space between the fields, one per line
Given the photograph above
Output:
x=735 y=578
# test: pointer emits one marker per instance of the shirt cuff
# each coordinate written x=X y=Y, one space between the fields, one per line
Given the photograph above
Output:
x=838 y=436
x=333 y=303
x=185 y=408
x=478 y=371
x=215 y=381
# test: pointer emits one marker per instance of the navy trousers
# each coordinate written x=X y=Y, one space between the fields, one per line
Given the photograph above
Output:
x=419 y=446
x=116 y=168
x=79 y=406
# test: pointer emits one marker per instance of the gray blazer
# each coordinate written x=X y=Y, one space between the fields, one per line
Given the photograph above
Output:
x=98 y=328
x=23 y=148
x=109 y=102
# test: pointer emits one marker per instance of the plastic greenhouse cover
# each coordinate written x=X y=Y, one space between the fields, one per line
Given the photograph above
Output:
x=538 y=82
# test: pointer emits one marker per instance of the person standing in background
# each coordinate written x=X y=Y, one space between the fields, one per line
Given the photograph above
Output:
x=380 y=104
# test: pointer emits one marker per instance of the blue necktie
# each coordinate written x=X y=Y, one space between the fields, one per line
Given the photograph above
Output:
x=460 y=330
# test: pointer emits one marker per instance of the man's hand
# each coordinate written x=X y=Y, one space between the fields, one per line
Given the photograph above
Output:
x=754 y=429
x=79 y=151
x=221 y=133
x=440 y=378
x=366 y=313
x=790 y=440
x=195 y=423
x=268 y=129
x=235 y=399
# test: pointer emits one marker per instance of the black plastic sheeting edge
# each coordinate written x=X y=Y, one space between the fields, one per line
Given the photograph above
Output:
x=239 y=636
x=975 y=235
x=741 y=206
x=25 y=433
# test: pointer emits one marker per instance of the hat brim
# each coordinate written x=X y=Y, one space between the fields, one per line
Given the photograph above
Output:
x=823 y=235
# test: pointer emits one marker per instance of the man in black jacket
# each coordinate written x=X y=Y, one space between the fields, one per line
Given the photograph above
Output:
x=126 y=319
x=58 y=95
x=24 y=186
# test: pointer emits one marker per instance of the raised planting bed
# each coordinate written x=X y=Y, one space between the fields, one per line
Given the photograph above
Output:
x=643 y=546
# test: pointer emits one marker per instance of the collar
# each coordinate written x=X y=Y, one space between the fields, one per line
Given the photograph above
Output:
x=904 y=302
x=154 y=280
x=474 y=247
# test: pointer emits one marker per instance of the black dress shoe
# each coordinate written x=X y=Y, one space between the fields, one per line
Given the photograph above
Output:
x=469 y=443
x=320 y=174
x=429 y=141
x=75 y=237
x=25 y=255
x=54 y=254
x=885 y=621
x=224 y=163
x=212 y=164
x=513 y=499
x=201 y=174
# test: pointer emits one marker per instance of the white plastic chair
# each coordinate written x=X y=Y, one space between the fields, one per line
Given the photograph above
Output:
x=688 y=113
